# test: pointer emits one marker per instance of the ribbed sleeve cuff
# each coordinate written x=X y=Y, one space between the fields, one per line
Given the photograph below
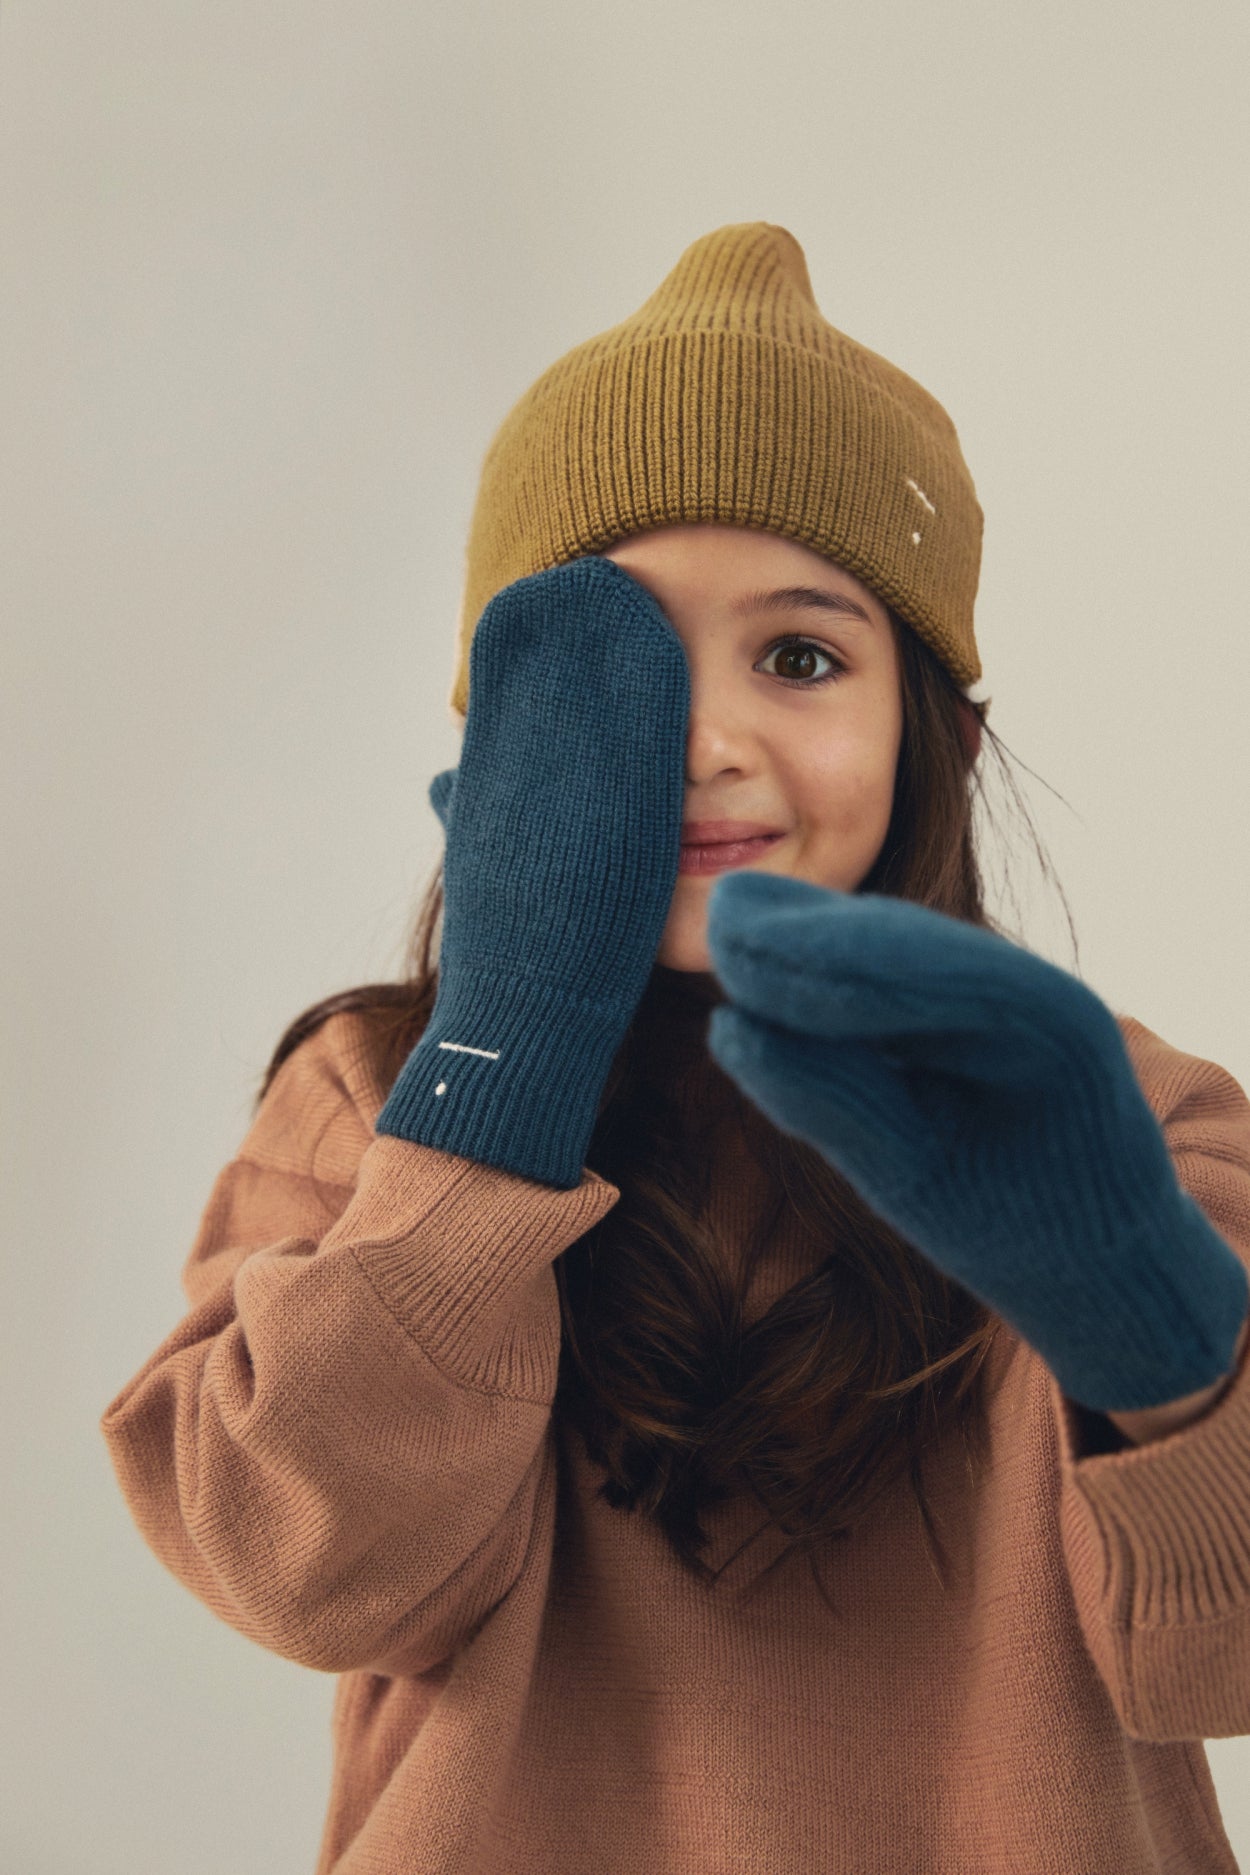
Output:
x=461 y=1253
x=1164 y=1527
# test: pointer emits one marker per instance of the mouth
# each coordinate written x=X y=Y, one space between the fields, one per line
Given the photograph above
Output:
x=719 y=855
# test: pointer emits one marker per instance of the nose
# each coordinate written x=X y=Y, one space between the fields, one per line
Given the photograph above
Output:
x=716 y=740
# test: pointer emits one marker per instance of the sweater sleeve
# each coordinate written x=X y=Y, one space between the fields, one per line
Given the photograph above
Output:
x=1157 y=1537
x=341 y=1446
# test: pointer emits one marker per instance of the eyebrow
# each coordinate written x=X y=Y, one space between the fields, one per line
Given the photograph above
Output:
x=811 y=598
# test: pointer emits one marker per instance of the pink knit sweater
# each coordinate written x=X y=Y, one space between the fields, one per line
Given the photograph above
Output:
x=346 y=1450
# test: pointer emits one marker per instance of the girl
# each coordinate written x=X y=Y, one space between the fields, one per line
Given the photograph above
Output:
x=740 y=1367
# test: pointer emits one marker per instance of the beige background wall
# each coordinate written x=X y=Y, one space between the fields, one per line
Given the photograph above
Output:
x=271 y=275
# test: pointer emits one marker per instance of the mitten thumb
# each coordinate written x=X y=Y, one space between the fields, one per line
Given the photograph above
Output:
x=441 y=789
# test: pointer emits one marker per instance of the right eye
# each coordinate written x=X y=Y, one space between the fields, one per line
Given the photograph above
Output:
x=794 y=645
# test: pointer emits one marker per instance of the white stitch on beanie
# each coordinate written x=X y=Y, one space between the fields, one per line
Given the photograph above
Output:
x=920 y=494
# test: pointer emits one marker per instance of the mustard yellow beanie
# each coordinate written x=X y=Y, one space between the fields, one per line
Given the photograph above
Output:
x=729 y=397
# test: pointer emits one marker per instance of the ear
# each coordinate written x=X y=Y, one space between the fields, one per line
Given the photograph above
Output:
x=441 y=790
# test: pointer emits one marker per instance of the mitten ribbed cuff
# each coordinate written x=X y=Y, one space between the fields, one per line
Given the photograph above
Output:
x=1154 y=1324
x=509 y=1072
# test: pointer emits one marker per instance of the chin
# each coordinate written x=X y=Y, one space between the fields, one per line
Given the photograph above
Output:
x=683 y=945
x=695 y=960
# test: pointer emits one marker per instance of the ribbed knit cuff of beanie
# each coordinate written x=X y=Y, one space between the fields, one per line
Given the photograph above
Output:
x=727 y=396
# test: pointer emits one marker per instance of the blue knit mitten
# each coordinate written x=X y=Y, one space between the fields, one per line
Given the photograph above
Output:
x=563 y=823
x=982 y=1102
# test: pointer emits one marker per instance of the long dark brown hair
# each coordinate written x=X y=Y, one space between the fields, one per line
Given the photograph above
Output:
x=815 y=1409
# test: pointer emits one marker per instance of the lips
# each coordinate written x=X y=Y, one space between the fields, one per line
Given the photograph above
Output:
x=704 y=856
x=717 y=832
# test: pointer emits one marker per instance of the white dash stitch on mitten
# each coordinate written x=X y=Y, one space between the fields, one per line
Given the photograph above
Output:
x=462 y=1048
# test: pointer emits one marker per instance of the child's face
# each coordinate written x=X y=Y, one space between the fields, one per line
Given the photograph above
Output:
x=813 y=761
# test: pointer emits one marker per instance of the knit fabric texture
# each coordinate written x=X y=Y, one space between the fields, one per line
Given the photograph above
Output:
x=728 y=396
x=981 y=1100
x=347 y=1450
x=563 y=835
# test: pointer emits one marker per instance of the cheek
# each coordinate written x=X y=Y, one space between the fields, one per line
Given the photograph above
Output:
x=840 y=785
x=843 y=818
